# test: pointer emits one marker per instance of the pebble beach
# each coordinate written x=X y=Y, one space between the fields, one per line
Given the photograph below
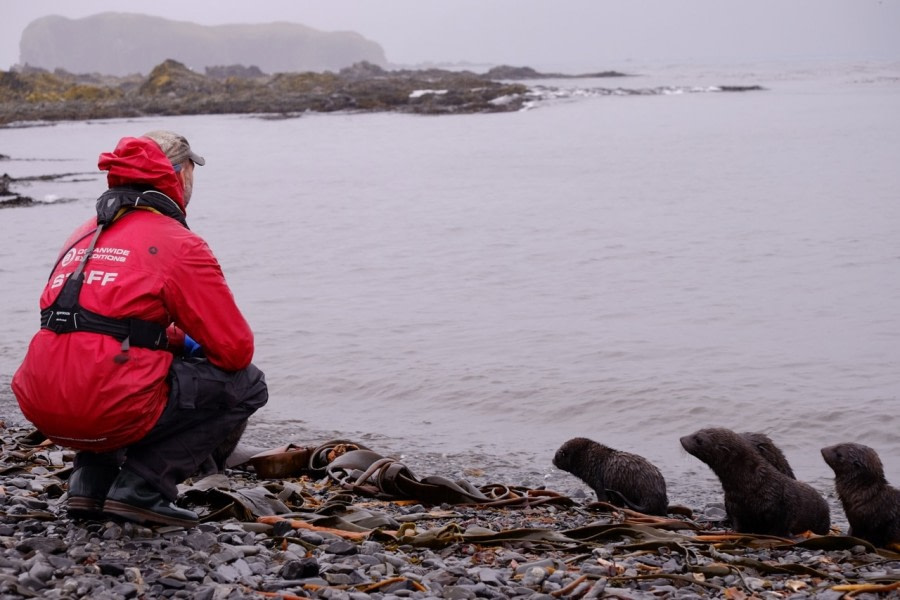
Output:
x=328 y=543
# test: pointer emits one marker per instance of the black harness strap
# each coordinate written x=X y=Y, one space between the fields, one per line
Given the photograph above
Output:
x=144 y=334
x=66 y=315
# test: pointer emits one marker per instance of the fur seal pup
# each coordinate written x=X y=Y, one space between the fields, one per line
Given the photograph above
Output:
x=772 y=453
x=872 y=506
x=758 y=497
x=615 y=476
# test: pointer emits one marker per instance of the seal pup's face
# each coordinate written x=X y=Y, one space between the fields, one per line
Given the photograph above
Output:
x=570 y=453
x=706 y=444
x=721 y=448
x=850 y=460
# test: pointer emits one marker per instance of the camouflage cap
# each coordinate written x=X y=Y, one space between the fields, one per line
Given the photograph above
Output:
x=175 y=146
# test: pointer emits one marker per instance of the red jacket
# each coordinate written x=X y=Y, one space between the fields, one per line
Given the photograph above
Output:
x=145 y=265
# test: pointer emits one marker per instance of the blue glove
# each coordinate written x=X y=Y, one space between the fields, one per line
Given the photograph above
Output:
x=191 y=348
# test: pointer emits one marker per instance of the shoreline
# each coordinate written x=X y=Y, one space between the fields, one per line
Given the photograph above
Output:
x=477 y=468
x=310 y=538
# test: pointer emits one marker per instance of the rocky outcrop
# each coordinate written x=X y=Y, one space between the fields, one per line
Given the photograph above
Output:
x=507 y=72
x=8 y=196
x=173 y=89
x=238 y=71
x=121 y=44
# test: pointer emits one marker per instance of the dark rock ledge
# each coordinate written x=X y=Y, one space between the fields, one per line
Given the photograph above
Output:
x=173 y=89
x=10 y=196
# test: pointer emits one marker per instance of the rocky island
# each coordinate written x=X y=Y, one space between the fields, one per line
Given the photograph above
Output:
x=173 y=89
x=121 y=43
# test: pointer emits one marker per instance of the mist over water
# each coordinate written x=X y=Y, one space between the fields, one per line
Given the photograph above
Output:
x=626 y=268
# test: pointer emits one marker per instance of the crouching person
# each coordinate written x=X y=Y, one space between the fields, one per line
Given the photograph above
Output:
x=111 y=372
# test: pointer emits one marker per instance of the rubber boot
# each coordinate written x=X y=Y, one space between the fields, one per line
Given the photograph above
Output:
x=132 y=498
x=88 y=487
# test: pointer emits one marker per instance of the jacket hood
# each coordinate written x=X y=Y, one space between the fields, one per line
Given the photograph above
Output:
x=140 y=160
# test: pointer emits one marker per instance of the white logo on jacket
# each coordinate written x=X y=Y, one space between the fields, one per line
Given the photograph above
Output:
x=108 y=254
x=103 y=277
x=69 y=257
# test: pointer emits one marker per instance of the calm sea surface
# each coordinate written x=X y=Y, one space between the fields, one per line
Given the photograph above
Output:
x=625 y=267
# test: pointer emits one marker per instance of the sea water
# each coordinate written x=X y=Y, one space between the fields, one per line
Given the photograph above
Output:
x=624 y=266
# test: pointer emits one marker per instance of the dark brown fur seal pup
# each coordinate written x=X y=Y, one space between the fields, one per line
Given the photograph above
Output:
x=758 y=497
x=772 y=453
x=616 y=477
x=871 y=505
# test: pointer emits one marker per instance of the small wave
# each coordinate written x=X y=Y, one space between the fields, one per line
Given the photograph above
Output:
x=420 y=93
x=548 y=93
x=54 y=199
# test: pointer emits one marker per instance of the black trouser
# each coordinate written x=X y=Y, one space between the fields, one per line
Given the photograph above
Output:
x=206 y=405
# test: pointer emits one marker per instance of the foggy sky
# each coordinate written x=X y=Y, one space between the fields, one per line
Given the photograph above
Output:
x=574 y=34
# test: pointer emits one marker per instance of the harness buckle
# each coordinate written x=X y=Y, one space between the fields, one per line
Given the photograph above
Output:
x=61 y=321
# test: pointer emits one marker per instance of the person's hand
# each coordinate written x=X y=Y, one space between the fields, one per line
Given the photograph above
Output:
x=176 y=339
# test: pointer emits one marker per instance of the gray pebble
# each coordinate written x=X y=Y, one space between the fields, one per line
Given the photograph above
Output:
x=311 y=537
x=41 y=570
x=341 y=547
x=299 y=569
x=490 y=577
x=226 y=555
x=533 y=576
x=171 y=582
x=370 y=547
x=459 y=592
x=227 y=573
x=44 y=545
x=203 y=540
